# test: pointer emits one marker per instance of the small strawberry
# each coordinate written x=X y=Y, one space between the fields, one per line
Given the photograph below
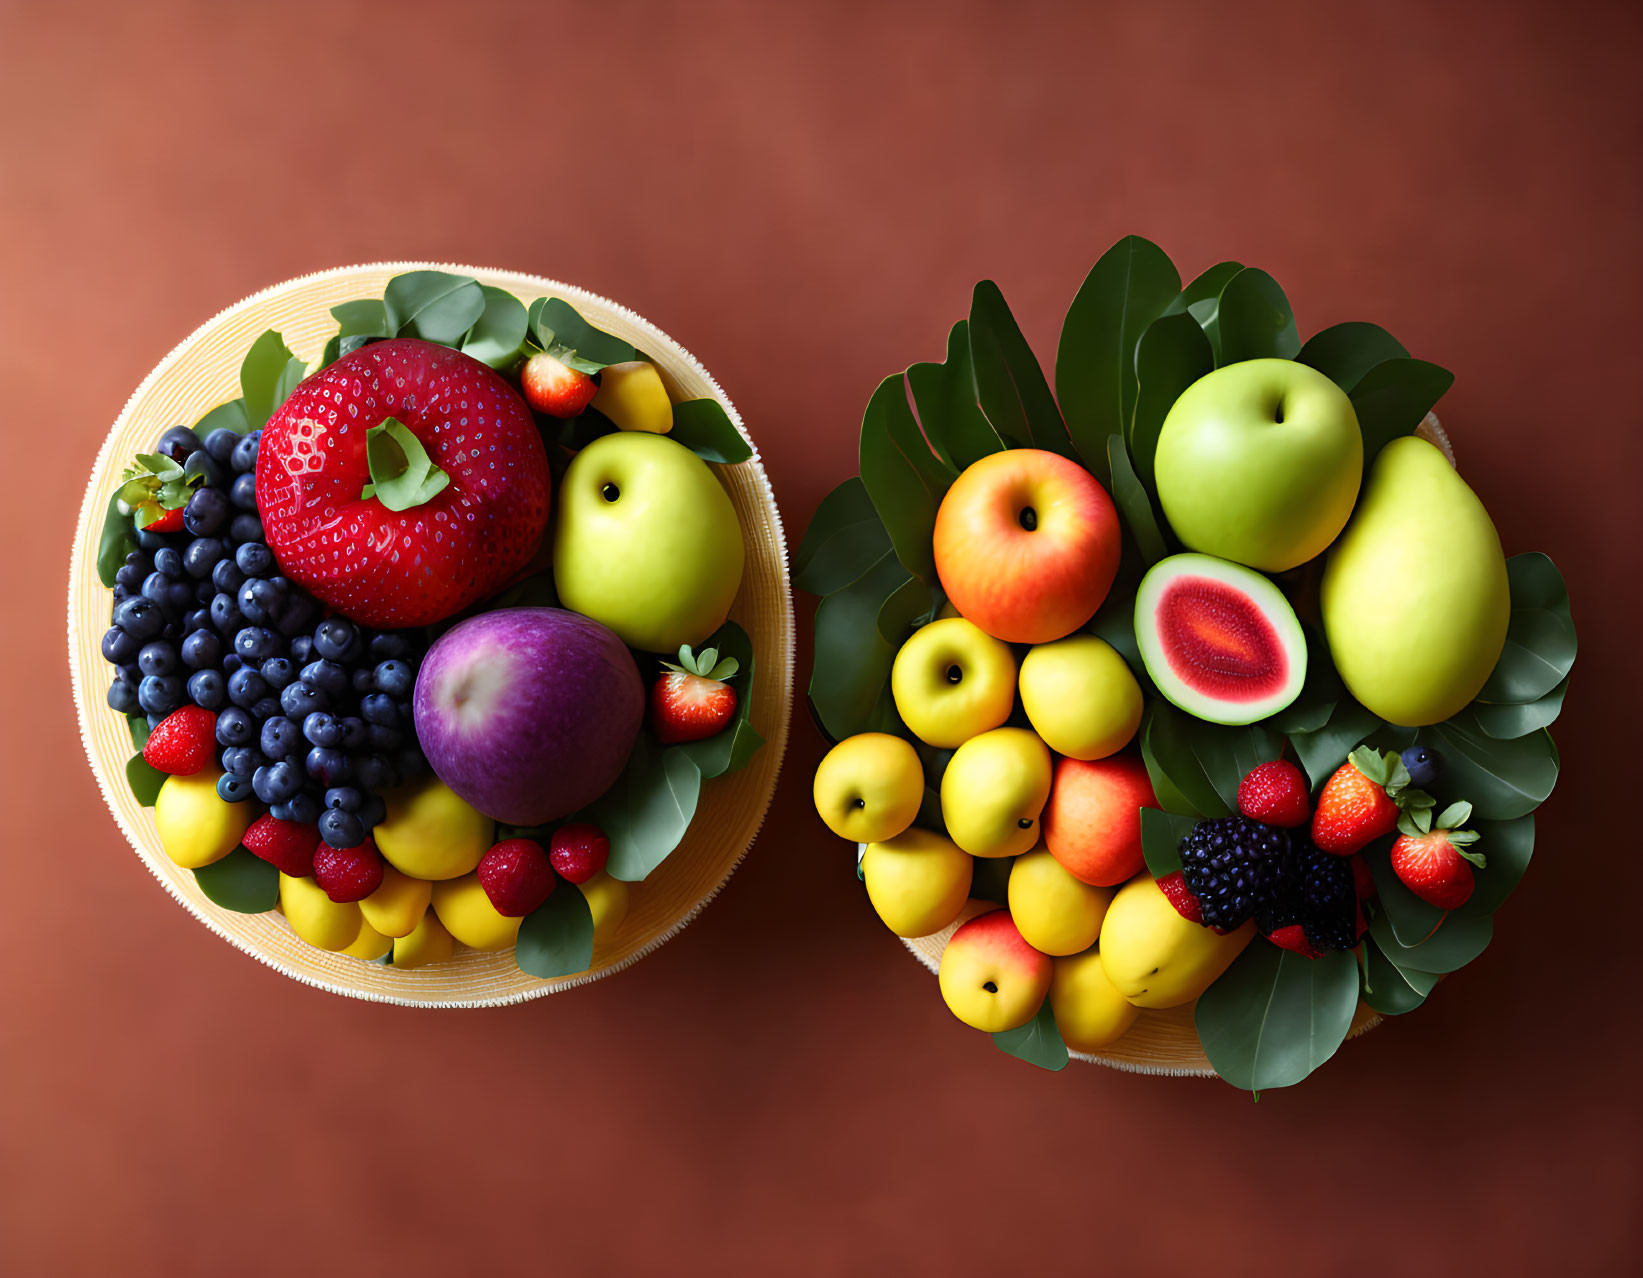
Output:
x=693 y=700
x=348 y=874
x=166 y=521
x=1178 y=894
x=1293 y=937
x=1430 y=856
x=553 y=387
x=155 y=490
x=1362 y=800
x=1275 y=793
x=578 y=852
x=516 y=876
x=288 y=846
x=183 y=742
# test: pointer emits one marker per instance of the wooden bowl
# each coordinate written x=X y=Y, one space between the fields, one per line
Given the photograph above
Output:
x=203 y=372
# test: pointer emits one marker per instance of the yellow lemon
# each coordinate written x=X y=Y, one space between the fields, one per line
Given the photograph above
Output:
x=370 y=944
x=396 y=907
x=1089 y=1011
x=1057 y=914
x=315 y=917
x=608 y=903
x=428 y=942
x=432 y=833
x=196 y=825
x=468 y=914
x=1080 y=697
x=917 y=881
x=632 y=396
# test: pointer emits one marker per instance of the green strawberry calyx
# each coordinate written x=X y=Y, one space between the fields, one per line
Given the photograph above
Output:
x=566 y=355
x=402 y=473
x=1386 y=770
x=706 y=665
x=1419 y=823
x=154 y=485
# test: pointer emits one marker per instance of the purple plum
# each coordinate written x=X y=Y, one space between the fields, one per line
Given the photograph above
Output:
x=528 y=713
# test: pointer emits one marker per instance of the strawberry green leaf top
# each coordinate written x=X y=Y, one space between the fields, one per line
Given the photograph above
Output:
x=402 y=474
x=706 y=665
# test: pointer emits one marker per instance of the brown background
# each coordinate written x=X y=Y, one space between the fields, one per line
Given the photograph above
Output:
x=803 y=197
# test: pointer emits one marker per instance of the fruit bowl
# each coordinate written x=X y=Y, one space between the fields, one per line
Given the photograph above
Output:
x=204 y=371
x=1188 y=717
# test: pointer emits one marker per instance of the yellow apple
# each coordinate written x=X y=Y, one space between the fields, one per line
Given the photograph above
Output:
x=1156 y=958
x=428 y=942
x=869 y=787
x=990 y=977
x=431 y=832
x=315 y=917
x=953 y=681
x=370 y=944
x=396 y=907
x=1056 y=913
x=1080 y=697
x=196 y=825
x=1089 y=1010
x=993 y=791
x=632 y=396
x=468 y=914
x=918 y=881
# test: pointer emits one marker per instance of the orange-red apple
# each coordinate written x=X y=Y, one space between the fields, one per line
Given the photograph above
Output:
x=1092 y=823
x=990 y=977
x=1026 y=545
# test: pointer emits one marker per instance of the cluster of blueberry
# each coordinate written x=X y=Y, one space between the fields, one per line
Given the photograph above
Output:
x=313 y=713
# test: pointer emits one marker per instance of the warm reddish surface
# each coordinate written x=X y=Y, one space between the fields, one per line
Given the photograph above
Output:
x=804 y=201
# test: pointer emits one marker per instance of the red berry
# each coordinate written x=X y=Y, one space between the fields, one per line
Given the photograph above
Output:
x=1432 y=867
x=348 y=874
x=1176 y=891
x=1293 y=938
x=687 y=707
x=516 y=876
x=1275 y=793
x=1353 y=809
x=578 y=852
x=183 y=742
x=166 y=521
x=554 y=388
x=288 y=846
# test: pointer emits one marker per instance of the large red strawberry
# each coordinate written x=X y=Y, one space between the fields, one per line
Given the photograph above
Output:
x=456 y=542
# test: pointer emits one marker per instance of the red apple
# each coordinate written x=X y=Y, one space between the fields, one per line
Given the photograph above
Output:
x=990 y=977
x=1026 y=545
x=1092 y=823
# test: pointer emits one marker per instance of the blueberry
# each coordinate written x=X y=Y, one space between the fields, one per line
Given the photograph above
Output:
x=395 y=677
x=267 y=708
x=199 y=619
x=160 y=694
x=327 y=676
x=297 y=616
x=122 y=696
x=204 y=593
x=353 y=733
x=235 y=727
x=299 y=700
x=279 y=672
x=1422 y=766
x=327 y=765
x=213 y=474
x=345 y=797
x=202 y=556
x=202 y=650
x=159 y=657
x=304 y=806
x=254 y=559
x=280 y=812
x=206 y=513
x=148 y=539
x=233 y=789
x=373 y=772
x=128 y=673
x=177 y=443
x=246 y=687
x=169 y=562
x=227 y=577
x=363 y=679
x=220 y=444
x=139 y=559
x=207 y=688
x=340 y=829
x=277 y=782
x=373 y=812
x=379 y=708
x=156 y=587
x=225 y=614
x=244 y=492
x=130 y=578
x=281 y=738
x=302 y=648
x=119 y=646
x=244 y=457
x=322 y=729
x=256 y=643
x=391 y=643
x=166 y=592
x=241 y=761
x=410 y=764
x=381 y=737
x=253 y=600
x=336 y=639
x=139 y=618
x=246 y=529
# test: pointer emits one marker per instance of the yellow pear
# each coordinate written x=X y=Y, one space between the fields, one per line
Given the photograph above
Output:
x=432 y=833
x=993 y=791
x=1080 y=697
x=1089 y=1010
x=428 y=942
x=315 y=917
x=869 y=787
x=468 y=914
x=196 y=825
x=918 y=881
x=1056 y=913
x=1156 y=958
x=397 y=906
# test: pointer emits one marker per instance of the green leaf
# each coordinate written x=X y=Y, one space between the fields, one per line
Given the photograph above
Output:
x=1171 y=741
x=1114 y=622
x=1010 y=385
x=1507 y=721
x=845 y=539
x=730 y=749
x=1161 y=835
x=945 y=396
x=1540 y=639
x=1345 y=352
x=367 y=317
x=648 y=810
x=117 y=540
x=433 y=305
x=852 y=660
x=1255 y=319
x=1038 y=1042
x=1390 y=989
x=1172 y=355
x=1393 y=398
x=904 y=478
x=144 y=779
x=1509 y=846
x=1206 y=287
x=1134 y=504
x=229 y=416
x=552 y=319
x=1323 y=751
x=556 y=938
x=138 y=725
x=263 y=378
x=1455 y=943
x=498 y=335
x=1411 y=919
x=1274 y=1016
x=1320 y=694
x=241 y=882
x=1503 y=779
x=703 y=426
x=1095 y=360
x=909 y=605
x=402 y=474
x=294 y=374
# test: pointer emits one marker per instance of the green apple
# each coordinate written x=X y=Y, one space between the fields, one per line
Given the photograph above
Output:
x=1259 y=462
x=647 y=541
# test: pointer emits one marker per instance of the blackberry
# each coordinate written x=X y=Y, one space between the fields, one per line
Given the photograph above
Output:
x=1317 y=892
x=1234 y=867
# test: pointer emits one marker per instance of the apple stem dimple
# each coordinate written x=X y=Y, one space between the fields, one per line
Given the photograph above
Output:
x=1028 y=518
x=610 y=492
x=990 y=987
x=954 y=674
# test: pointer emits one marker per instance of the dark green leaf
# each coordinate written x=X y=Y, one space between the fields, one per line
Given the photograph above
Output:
x=139 y=730
x=648 y=810
x=910 y=604
x=553 y=319
x=845 y=539
x=1456 y=942
x=1172 y=742
x=144 y=779
x=117 y=540
x=703 y=426
x=1229 y=752
x=1540 y=640
x=906 y=488
x=367 y=317
x=1161 y=835
x=1503 y=779
x=1114 y=621
x=498 y=335
x=295 y=372
x=402 y=473
x=1172 y=355
x=1508 y=845
x=329 y=356
x=240 y=882
x=1206 y=287
x=852 y=662
x=262 y=378
x=1010 y=385
x=1134 y=504
x=229 y=416
x=1391 y=990
x=1411 y=919
x=1095 y=361
x=732 y=748
x=1393 y=398
x=1320 y=694
x=1038 y=1042
x=945 y=396
x=1275 y=1016
x=1323 y=751
x=1507 y=721
x=1345 y=352
x=556 y=938
x=433 y=305
x=1255 y=319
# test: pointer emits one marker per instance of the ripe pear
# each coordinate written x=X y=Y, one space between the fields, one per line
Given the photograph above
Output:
x=918 y=881
x=1415 y=598
x=1156 y=958
x=993 y=791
